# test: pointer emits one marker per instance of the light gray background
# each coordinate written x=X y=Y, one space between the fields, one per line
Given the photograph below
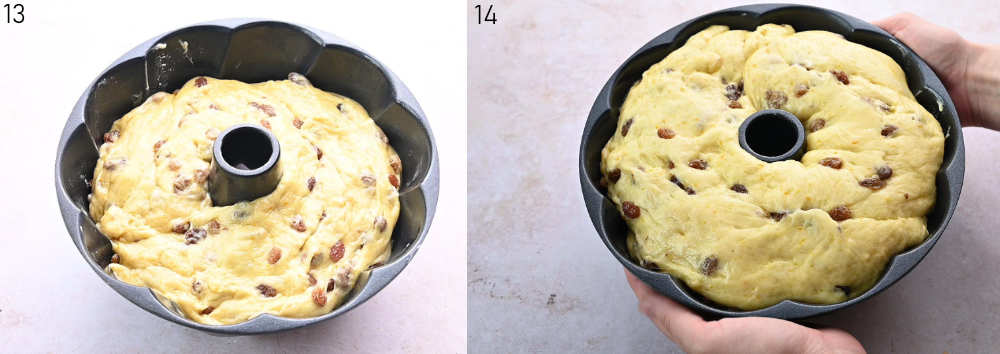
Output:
x=539 y=278
x=51 y=301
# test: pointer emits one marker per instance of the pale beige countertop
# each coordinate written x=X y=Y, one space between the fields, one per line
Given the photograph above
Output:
x=540 y=280
x=51 y=301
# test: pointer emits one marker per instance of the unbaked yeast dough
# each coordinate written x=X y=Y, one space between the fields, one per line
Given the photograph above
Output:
x=295 y=252
x=749 y=234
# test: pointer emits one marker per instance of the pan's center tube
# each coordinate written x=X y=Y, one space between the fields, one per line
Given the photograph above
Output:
x=244 y=165
x=773 y=135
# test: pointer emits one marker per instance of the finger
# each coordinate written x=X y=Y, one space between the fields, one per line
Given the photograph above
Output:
x=840 y=341
x=833 y=338
x=764 y=335
x=896 y=23
x=677 y=322
x=770 y=335
x=640 y=289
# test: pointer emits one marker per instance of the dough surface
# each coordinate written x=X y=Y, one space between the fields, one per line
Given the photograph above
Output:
x=295 y=252
x=748 y=234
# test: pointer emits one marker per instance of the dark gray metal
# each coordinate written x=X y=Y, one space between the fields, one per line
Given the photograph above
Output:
x=777 y=134
x=250 y=50
x=924 y=84
x=244 y=164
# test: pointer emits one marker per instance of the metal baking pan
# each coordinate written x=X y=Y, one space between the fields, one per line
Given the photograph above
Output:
x=924 y=84
x=248 y=50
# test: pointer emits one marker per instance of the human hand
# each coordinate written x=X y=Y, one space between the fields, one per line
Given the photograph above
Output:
x=970 y=71
x=736 y=335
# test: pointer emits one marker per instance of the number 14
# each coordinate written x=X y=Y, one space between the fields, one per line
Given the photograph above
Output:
x=490 y=17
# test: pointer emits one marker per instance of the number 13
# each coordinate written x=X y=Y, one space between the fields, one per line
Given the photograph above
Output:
x=18 y=14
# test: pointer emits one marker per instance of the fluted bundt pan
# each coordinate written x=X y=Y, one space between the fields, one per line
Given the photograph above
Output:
x=924 y=84
x=250 y=51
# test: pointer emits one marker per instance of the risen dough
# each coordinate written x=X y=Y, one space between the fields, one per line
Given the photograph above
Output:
x=277 y=254
x=748 y=234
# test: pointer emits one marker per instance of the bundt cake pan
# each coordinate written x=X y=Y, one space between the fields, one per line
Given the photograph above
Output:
x=924 y=84
x=251 y=51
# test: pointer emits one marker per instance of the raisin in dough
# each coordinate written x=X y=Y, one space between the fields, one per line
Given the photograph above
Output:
x=276 y=254
x=748 y=234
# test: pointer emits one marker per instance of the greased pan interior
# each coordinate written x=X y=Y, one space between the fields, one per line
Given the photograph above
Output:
x=248 y=50
x=922 y=81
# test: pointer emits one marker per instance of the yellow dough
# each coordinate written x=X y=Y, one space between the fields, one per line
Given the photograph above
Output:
x=275 y=254
x=674 y=164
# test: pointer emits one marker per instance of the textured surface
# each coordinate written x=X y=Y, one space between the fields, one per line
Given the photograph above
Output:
x=806 y=230
x=71 y=310
x=533 y=78
x=295 y=252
